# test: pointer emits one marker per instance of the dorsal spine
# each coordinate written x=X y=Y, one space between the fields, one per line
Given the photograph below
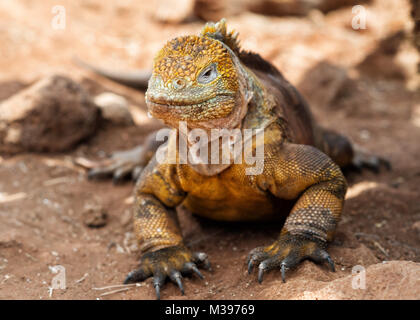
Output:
x=218 y=31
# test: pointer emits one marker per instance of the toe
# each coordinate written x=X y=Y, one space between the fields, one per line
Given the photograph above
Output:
x=363 y=159
x=137 y=276
x=289 y=262
x=171 y=262
x=267 y=265
x=286 y=253
x=255 y=257
x=121 y=173
x=102 y=171
x=176 y=277
x=191 y=267
x=321 y=256
x=158 y=281
x=202 y=259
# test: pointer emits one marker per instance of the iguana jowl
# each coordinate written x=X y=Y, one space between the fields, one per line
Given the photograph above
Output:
x=209 y=82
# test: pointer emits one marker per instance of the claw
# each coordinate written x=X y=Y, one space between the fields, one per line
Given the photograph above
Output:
x=176 y=277
x=250 y=266
x=157 y=288
x=331 y=263
x=95 y=173
x=135 y=276
x=255 y=256
x=322 y=256
x=157 y=283
x=164 y=263
x=119 y=165
x=102 y=171
x=121 y=173
x=129 y=278
x=286 y=253
x=261 y=269
x=191 y=266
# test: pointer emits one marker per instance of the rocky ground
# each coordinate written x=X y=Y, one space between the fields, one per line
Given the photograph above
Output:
x=359 y=82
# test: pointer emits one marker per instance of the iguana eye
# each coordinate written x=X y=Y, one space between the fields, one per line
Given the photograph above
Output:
x=208 y=74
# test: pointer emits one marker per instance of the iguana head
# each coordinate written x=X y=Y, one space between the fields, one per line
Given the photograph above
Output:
x=198 y=79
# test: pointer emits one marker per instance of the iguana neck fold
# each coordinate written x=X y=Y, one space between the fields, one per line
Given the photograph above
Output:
x=252 y=114
x=233 y=98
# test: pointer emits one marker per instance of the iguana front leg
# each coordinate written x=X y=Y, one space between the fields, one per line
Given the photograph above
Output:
x=156 y=227
x=303 y=172
x=129 y=162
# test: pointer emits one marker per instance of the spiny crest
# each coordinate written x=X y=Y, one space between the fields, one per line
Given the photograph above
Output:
x=191 y=46
x=185 y=57
x=219 y=32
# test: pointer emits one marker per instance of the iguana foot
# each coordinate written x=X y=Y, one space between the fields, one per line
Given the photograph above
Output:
x=120 y=165
x=286 y=253
x=169 y=262
x=363 y=159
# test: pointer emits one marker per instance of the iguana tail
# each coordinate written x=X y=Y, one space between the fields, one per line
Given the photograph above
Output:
x=134 y=79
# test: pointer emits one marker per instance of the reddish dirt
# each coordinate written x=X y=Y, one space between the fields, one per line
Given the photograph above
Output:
x=376 y=103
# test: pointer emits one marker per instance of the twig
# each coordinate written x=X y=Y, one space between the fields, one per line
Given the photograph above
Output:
x=366 y=235
x=377 y=244
x=55 y=181
x=85 y=163
x=4 y=197
x=118 y=286
x=114 y=291
x=82 y=278
x=371 y=237
x=30 y=257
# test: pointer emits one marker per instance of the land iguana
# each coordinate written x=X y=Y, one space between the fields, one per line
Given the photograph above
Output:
x=209 y=82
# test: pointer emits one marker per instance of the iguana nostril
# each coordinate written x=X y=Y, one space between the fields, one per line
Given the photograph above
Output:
x=178 y=83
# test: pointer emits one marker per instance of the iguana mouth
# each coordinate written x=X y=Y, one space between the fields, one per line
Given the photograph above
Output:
x=164 y=101
x=216 y=107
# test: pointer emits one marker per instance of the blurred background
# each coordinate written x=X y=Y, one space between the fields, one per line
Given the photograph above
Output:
x=355 y=61
x=293 y=34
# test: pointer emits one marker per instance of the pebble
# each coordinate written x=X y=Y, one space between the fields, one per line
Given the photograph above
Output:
x=114 y=108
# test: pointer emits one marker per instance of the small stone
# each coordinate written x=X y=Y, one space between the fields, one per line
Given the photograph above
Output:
x=364 y=134
x=94 y=216
x=54 y=114
x=380 y=224
x=399 y=278
x=416 y=226
x=9 y=239
x=119 y=248
x=397 y=182
x=114 y=108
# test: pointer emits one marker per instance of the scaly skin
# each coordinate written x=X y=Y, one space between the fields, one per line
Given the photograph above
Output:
x=294 y=171
x=301 y=160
